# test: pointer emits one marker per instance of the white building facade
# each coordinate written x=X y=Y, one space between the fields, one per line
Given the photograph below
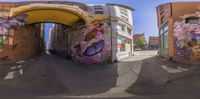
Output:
x=120 y=24
x=123 y=28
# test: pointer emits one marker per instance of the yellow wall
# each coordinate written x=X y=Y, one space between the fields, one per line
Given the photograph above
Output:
x=56 y=13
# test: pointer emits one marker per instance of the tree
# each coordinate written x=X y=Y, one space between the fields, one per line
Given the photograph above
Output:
x=141 y=42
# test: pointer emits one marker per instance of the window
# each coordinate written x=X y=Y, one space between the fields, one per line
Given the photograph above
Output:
x=161 y=13
x=122 y=42
x=192 y=20
x=3 y=36
x=161 y=7
x=6 y=37
x=129 y=31
x=164 y=37
x=162 y=20
x=98 y=9
x=165 y=40
x=97 y=6
x=124 y=18
x=161 y=31
x=98 y=12
x=124 y=14
x=164 y=29
x=120 y=27
x=123 y=10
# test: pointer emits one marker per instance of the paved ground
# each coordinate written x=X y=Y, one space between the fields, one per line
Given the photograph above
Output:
x=143 y=76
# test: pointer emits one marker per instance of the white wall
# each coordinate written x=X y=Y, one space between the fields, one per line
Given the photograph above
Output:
x=118 y=14
x=91 y=9
x=130 y=17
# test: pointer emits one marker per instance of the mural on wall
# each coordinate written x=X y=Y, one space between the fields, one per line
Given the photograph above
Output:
x=95 y=45
x=10 y=23
x=187 y=35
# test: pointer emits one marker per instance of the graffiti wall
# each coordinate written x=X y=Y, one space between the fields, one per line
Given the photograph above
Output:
x=8 y=23
x=95 y=46
x=187 y=36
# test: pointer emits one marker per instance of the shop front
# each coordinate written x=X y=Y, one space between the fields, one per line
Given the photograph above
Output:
x=124 y=47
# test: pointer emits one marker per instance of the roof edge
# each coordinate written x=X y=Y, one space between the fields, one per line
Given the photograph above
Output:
x=164 y=3
x=121 y=6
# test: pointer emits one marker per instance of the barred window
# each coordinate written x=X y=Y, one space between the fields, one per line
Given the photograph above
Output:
x=98 y=9
x=6 y=37
x=3 y=36
x=98 y=12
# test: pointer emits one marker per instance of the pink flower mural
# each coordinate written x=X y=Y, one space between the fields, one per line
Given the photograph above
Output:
x=10 y=23
x=187 y=35
x=95 y=45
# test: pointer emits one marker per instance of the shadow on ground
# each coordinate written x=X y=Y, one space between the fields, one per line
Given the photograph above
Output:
x=160 y=77
x=28 y=77
x=53 y=77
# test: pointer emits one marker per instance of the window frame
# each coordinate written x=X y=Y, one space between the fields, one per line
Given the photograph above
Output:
x=164 y=36
x=4 y=35
x=121 y=27
x=124 y=13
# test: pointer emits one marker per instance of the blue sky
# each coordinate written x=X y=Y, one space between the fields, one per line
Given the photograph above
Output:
x=145 y=19
x=47 y=29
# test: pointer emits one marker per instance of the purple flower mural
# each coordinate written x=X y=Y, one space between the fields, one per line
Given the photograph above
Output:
x=187 y=35
x=10 y=23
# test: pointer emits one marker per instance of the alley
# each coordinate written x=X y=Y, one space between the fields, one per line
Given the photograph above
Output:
x=141 y=76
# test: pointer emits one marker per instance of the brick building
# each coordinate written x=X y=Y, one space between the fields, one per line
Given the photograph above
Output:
x=153 y=43
x=179 y=30
x=136 y=37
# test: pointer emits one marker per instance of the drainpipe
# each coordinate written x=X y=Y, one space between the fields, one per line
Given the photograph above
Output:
x=111 y=30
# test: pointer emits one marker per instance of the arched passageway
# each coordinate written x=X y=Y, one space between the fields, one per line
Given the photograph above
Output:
x=57 y=13
x=28 y=33
x=84 y=39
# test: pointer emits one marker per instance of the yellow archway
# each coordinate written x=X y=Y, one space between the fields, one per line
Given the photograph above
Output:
x=58 y=13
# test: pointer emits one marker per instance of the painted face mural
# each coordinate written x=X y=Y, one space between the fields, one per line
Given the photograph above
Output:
x=95 y=45
x=187 y=35
x=10 y=23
